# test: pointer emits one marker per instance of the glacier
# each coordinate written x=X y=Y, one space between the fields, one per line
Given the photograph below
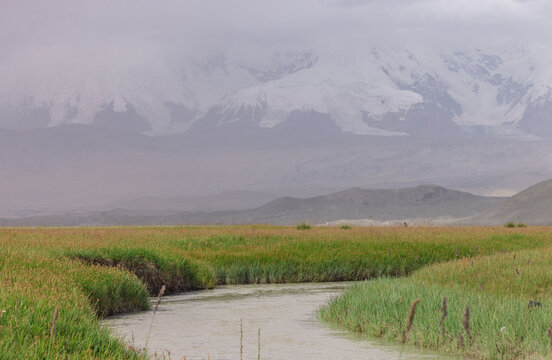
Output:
x=377 y=90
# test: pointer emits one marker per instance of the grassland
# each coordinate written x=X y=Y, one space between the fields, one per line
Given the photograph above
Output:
x=509 y=296
x=88 y=273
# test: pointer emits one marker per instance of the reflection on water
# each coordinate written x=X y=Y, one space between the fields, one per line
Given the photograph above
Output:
x=206 y=324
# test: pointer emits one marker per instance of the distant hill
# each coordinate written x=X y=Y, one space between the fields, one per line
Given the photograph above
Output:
x=531 y=206
x=424 y=201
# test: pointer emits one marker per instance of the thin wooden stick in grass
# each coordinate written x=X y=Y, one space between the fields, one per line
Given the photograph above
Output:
x=161 y=293
x=443 y=317
x=410 y=319
x=54 y=319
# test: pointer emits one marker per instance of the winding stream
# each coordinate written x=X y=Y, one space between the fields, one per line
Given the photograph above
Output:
x=206 y=325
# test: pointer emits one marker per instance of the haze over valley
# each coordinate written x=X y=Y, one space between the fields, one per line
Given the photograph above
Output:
x=218 y=125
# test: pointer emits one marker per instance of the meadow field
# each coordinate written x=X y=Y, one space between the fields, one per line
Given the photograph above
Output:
x=57 y=283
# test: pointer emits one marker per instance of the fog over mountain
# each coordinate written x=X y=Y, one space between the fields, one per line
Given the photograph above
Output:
x=103 y=103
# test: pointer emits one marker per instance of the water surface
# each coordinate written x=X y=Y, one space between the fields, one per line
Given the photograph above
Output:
x=206 y=324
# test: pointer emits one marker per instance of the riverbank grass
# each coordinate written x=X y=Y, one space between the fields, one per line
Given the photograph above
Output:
x=509 y=296
x=34 y=286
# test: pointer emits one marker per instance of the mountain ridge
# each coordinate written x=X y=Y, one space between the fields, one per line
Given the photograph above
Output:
x=379 y=90
x=424 y=201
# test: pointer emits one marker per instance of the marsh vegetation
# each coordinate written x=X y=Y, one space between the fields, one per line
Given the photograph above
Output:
x=88 y=273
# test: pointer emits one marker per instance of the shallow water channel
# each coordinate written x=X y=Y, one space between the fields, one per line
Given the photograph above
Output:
x=206 y=324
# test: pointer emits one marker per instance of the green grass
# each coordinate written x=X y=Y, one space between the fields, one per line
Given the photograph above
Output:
x=33 y=286
x=501 y=327
x=511 y=224
x=303 y=226
x=154 y=268
x=93 y=272
x=497 y=289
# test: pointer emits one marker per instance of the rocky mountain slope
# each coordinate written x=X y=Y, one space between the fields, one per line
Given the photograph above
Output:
x=532 y=206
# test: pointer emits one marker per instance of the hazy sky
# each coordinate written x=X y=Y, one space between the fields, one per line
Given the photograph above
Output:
x=245 y=26
x=49 y=49
x=69 y=48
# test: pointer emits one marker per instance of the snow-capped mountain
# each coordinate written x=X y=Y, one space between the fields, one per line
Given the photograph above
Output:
x=380 y=90
x=392 y=91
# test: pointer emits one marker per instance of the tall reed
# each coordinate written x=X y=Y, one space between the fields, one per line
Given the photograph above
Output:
x=409 y=319
x=259 y=345
x=241 y=339
x=159 y=296
x=443 y=317
x=549 y=333
x=54 y=320
x=466 y=322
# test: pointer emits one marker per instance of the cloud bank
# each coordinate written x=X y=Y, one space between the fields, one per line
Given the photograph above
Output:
x=244 y=27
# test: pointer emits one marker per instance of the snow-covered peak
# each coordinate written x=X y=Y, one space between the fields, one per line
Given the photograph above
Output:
x=74 y=87
x=280 y=64
x=347 y=93
x=378 y=90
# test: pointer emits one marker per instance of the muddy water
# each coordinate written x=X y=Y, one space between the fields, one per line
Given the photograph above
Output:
x=206 y=324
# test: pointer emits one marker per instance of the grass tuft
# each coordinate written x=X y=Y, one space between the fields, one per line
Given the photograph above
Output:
x=304 y=226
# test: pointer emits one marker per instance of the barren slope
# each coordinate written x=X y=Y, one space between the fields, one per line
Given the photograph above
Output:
x=531 y=206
